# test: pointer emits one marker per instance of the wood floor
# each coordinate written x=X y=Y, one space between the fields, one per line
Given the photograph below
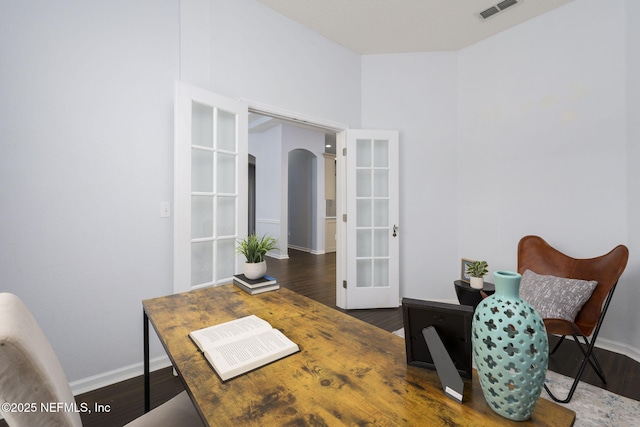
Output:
x=314 y=277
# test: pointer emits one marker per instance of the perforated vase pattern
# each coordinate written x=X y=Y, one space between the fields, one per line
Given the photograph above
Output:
x=510 y=349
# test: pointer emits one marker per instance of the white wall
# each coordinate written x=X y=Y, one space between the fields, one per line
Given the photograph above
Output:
x=542 y=114
x=522 y=133
x=86 y=152
x=416 y=94
x=250 y=51
x=267 y=148
x=627 y=301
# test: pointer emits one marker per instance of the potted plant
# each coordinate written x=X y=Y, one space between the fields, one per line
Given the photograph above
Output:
x=476 y=272
x=254 y=249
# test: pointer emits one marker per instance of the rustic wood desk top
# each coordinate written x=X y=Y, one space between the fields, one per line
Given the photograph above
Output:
x=347 y=372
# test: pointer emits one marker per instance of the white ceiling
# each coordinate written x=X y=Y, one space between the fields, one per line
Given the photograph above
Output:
x=397 y=26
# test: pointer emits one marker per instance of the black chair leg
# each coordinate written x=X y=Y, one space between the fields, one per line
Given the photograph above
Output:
x=555 y=348
x=589 y=357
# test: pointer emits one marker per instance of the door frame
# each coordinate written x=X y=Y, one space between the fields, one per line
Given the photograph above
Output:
x=293 y=116
x=341 y=223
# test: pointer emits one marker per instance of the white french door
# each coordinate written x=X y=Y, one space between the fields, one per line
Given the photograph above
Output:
x=210 y=187
x=372 y=233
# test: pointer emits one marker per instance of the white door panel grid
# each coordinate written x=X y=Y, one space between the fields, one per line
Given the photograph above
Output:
x=210 y=187
x=372 y=228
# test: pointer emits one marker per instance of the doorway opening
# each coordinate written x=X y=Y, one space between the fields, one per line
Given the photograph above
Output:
x=291 y=189
x=302 y=189
x=251 y=184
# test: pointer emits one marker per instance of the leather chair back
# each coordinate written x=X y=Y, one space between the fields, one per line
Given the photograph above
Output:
x=538 y=256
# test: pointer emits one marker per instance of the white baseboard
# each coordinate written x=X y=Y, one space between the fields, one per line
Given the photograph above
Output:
x=277 y=256
x=311 y=251
x=108 y=378
x=615 y=347
x=619 y=348
x=298 y=248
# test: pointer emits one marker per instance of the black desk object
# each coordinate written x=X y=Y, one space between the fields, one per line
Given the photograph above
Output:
x=471 y=296
x=451 y=381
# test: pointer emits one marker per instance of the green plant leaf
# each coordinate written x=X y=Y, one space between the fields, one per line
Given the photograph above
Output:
x=254 y=248
x=477 y=269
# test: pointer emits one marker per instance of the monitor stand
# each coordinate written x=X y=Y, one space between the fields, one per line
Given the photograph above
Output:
x=450 y=379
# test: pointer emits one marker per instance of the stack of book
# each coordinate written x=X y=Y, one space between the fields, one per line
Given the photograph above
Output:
x=257 y=286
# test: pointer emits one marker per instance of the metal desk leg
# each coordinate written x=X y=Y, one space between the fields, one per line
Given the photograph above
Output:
x=147 y=390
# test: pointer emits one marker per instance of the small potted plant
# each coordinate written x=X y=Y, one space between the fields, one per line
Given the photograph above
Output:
x=254 y=249
x=476 y=272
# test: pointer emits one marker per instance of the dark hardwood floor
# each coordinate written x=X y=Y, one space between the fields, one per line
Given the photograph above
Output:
x=314 y=277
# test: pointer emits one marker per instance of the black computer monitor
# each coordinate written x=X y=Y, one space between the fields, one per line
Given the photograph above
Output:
x=453 y=324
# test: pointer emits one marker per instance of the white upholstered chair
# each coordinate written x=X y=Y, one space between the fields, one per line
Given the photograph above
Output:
x=31 y=373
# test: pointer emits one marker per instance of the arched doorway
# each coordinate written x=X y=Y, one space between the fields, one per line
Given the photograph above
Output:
x=302 y=200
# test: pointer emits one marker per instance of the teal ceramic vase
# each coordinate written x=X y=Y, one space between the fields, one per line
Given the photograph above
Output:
x=510 y=349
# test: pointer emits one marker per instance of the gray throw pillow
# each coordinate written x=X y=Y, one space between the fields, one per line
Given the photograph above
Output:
x=555 y=297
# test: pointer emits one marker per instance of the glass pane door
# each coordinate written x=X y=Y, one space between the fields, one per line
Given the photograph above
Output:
x=372 y=218
x=214 y=158
x=210 y=164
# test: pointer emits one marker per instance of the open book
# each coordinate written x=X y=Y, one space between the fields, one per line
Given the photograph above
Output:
x=241 y=345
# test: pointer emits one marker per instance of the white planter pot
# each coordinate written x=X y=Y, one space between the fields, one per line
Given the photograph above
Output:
x=477 y=282
x=255 y=270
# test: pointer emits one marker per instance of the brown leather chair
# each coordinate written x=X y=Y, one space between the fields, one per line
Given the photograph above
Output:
x=538 y=256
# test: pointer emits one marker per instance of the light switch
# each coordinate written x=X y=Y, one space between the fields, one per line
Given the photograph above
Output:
x=165 y=209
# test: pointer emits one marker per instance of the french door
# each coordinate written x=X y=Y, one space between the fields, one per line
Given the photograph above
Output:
x=211 y=201
x=372 y=219
x=210 y=187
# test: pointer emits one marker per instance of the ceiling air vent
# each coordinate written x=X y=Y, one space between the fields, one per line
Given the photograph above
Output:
x=506 y=3
x=497 y=8
x=489 y=12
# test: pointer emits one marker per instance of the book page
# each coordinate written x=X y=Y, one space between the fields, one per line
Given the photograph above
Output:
x=225 y=332
x=242 y=355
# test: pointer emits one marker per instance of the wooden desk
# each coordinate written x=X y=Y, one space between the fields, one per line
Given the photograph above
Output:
x=347 y=372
